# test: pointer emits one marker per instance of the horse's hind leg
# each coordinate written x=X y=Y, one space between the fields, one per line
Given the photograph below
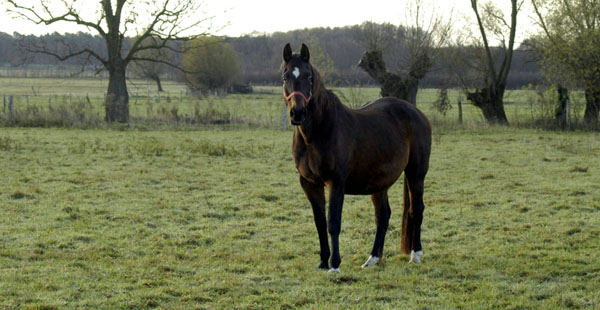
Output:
x=382 y=219
x=414 y=218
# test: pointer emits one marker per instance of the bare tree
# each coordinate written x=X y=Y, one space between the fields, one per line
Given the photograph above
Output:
x=421 y=37
x=488 y=96
x=425 y=31
x=164 y=20
x=152 y=69
x=374 y=36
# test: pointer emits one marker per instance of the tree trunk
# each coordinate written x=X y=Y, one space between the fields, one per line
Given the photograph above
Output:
x=412 y=90
x=491 y=105
x=394 y=85
x=158 y=84
x=561 y=112
x=117 y=97
x=592 y=107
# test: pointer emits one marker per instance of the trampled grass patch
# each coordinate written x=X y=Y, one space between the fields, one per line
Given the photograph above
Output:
x=215 y=218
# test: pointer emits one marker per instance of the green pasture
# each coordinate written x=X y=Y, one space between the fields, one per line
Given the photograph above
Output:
x=211 y=216
x=216 y=219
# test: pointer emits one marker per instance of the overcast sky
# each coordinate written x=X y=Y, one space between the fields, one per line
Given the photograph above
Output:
x=239 y=17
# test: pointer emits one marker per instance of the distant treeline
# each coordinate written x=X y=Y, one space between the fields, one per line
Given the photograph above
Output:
x=259 y=57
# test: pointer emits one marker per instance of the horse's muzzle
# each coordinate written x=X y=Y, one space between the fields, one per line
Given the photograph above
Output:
x=297 y=116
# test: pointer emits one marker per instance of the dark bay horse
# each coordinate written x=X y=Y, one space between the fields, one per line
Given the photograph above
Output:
x=356 y=152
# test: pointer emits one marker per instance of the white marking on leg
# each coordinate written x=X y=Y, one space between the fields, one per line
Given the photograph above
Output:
x=296 y=72
x=372 y=261
x=334 y=270
x=415 y=257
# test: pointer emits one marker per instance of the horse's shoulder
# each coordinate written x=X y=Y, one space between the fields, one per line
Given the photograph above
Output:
x=316 y=161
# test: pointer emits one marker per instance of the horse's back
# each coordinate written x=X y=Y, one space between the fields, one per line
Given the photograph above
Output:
x=399 y=110
x=407 y=120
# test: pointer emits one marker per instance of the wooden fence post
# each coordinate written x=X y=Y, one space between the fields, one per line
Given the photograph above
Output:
x=284 y=118
x=460 y=116
x=10 y=105
x=568 y=113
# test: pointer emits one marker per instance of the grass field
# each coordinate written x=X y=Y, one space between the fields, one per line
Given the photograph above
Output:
x=213 y=217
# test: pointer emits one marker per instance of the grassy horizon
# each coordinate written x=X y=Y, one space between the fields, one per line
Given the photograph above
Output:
x=64 y=102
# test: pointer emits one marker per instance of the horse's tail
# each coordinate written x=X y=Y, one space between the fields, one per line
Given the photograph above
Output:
x=407 y=231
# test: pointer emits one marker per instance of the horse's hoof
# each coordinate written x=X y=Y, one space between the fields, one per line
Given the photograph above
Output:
x=334 y=270
x=323 y=266
x=415 y=257
x=372 y=261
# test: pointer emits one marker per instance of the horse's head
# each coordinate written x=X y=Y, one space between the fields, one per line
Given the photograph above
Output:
x=298 y=79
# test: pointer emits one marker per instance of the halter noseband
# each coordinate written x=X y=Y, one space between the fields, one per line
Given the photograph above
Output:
x=288 y=98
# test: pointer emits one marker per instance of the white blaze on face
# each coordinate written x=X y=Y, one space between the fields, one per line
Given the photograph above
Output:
x=296 y=72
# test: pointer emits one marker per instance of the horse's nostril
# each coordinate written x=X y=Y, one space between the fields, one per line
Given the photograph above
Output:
x=297 y=116
x=297 y=113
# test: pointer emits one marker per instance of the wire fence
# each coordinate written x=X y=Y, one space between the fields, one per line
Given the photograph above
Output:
x=524 y=109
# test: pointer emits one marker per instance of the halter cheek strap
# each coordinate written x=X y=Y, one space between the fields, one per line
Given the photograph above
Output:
x=288 y=98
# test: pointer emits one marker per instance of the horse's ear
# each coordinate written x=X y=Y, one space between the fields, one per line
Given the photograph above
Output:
x=304 y=53
x=287 y=53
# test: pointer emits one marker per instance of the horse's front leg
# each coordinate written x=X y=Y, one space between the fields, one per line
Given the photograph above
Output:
x=316 y=196
x=336 y=201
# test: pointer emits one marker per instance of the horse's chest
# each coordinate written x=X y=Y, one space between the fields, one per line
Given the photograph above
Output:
x=313 y=165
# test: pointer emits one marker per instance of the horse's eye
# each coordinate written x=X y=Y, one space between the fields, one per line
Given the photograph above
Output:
x=310 y=79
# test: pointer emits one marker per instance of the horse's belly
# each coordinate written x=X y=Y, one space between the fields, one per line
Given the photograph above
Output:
x=375 y=181
x=351 y=189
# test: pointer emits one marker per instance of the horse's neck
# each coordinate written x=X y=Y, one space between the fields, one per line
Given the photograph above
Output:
x=322 y=119
x=329 y=107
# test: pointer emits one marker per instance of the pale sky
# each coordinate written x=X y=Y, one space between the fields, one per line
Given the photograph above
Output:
x=276 y=15
x=239 y=17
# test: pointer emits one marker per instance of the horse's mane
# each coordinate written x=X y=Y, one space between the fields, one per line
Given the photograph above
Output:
x=319 y=90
